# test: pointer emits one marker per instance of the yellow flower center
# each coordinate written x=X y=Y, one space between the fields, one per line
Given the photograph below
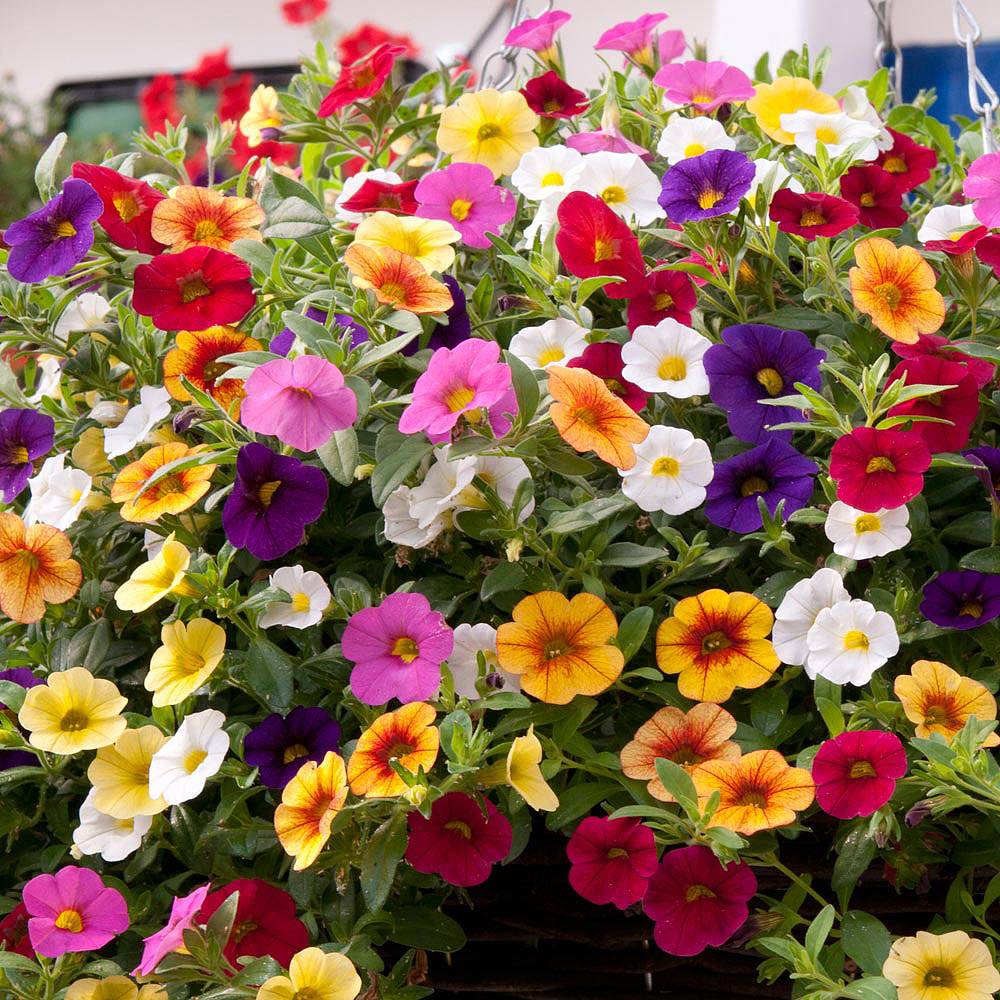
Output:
x=603 y=250
x=666 y=466
x=663 y=300
x=126 y=206
x=266 y=491
x=393 y=290
x=856 y=639
x=879 y=464
x=939 y=976
x=300 y=603
x=753 y=797
x=207 y=229
x=458 y=399
x=811 y=217
x=715 y=642
x=866 y=523
x=551 y=179
x=194 y=287
x=460 y=209
x=694 y=149
x=406 y=649
x=555 y=648
x=616 y=852
x=753 y=486
x=307 y=993
x=487 y=131
x=890 y=293
x=672 y=368
x=74 y=721
x=694 y=892
x=709 y=198
x=462 y=829
x=294 y=752
x=70 y=920
x=549 y=355
x=65 y=229
x=867 y=200
x=771 y=380
x=613 y=194
x=972 y=609
x=18 y=455
x=187 y=661
x=193 y=760
x=702 y=97
x=895 y=165
x=861 y=769
x=827 y=135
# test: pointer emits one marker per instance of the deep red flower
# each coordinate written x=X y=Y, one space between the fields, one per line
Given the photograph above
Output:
x=963 y=244
x=811 y=214
x=697 y=903
x=360 y=80
x=279 y=153
x=158 y=103
x=303 y=11
x=128 y=207
x=550 y=96
x=662 y=295
x=876 y=469
x=358 y=43
x=909 y=163
x=611 y=860
x=210 y=67
x=934 y=345
x=988 y=251
x=605 y=361
x=234 y=97
x=458 y=842
x=14 y=932
x=856 y=772
x=265 y=922
x=193 y=290
x=382 y=196
x=873 y=192
x=592 y=240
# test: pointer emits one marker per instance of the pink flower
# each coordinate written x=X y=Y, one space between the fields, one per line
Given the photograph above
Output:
x=464 y=195
x=856 y=772
x=671 y=44
x=537 y=33
x=635 y=38
x=72 y=910
x=458 y=380
x=605 y=140
x=982 y=185
x=706 y=85
x=300 y=402
x=397 y=648
x=612 y=860
x=182 y=916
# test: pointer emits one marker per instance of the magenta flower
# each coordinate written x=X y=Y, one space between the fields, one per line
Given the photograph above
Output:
x=182 y=916
x=300 y=402
x=611 y=860
x=706 y=85
x=982 y=186
x=856 y=772
x=397 y=648
x=537 y=33
x=464 y=195
x=635 y=38
x=671 y=45
x=605 y=140
x=72 y=910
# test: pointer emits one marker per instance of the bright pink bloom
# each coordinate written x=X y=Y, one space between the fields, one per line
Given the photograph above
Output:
x=537 y=33
x=360 y=80
x=605 y=361
x=706 y=85
x=465 y=195
x=671 y=45
x=982 y=187
x=697 y=903
x=182 y=916
x=605 y=140
x=934 y=345
x=856 y=772
x=876 y=469
x=635 y=38
x=210 y=67
x=612 y=860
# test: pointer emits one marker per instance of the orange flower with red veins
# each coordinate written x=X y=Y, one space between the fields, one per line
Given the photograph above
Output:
x=36 y=569
x=757 y=792
x=197 y=216
x=173 y=493
x=590 y=417
x=309 y=803
x=407 y=736
x=396 y=279
x=195 y=357
x=687 y=738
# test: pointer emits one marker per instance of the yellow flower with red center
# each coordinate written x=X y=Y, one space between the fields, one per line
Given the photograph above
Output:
x=396 y=279
x=173 y=493
x=559 y=647
x=427 y=241
x=201 y=217
x=759 y=791
x=717 y=642
x=195 y=356
x=36 y=569
x=895 y=287
x=490 y=127
x=309 y=803
x=785 y=96
x=407 y=736
x=686 y=738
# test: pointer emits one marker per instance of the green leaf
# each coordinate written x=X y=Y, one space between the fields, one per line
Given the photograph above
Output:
x=632 y=631
x=678 y=782
x=525 y=387
x=871 y=988
x=768 y=708
x=220 y=924
x=832 y=715
x=381 y=858
x=866 y=940
x=983 y=560
x=630 y=554
x=502 y=579
x=577 y=800
x=396 y=456
x=269 y=674
x=421 y=927
x=339 y=455
x=11 y=960
x=12 y=695
x=295 y=219
x=819 y=930
x=587 y=514
x=856 y=854
x=258 y=255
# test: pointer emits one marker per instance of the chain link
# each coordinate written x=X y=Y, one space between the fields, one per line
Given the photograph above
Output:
x=967 y=34
x=500 y=66
x=882 y=9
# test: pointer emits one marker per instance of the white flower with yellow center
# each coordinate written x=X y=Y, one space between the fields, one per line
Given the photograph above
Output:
x=48 y=379
x=354 y=184
x=947 y=223
x=470 y=641
x=668 y=358
x=797 y=613
x=849 y=642
x=856 y=105
x=58 y=494
x=552 y=343
x=625 y=184
x=860 y=535
x=438 y=494
x=687 y=137
x=837 y=131
x=136 y=426
x=113 y=839
x=403 y=528
x=548 y=172
x=85 y=313
x=180 y=768
x=309 y=597
x=672 y=468
x=503 y=475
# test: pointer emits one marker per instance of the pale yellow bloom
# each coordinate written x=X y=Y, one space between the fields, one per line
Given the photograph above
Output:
x=315 y=975
x=524 y=774
x=427 y=241
x=120 y=775
x=488 y=127
x=262 y=113
x=187 y=658
x=950 y=966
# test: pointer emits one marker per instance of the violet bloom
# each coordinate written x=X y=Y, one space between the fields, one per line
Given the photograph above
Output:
x=466 y=196
x=281 y=343
x=635 y=38
x=279 y=746
x=705 y=186
x=987 y=469
x=756 y=362
x=26 y=679
x=397 y=648
x=56 y=237
x=24 y=436
x=273 y=499
x=157 y=946
x=459 y=327
x=774 y=471
x=706 y=85
x=961 y=599
x=537 y=33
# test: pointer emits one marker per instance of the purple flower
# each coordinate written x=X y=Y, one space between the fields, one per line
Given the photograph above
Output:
x=961 y=599
x=24 y=436
x=26 y=679
x=756 y=362
x=56 y=237
x=279 y=746
x=459 y=326
x=465 y=195
x=281 y=343
x=987 y=468
x=774 y=471
x=702 y=187
x=273 y=499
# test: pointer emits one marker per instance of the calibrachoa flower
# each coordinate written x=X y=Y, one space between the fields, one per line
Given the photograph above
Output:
x=309 y=803
x=611 y=860
x=938 y=699
x=310 y=597
x=172 y=493
x=314 y=973
x=547 y=172
x=24 y=436
x=128 y=207
x=811 y=214
x=170 y=938
x=785 y=96
x=386 y=196
x=706 y=85
x=523 y=774
x=407 y=736
x=605 y=361
x=909 y=163
x=625 y=184
x=202 y=217
x=661 y=295
x=151 y=581
x=263 y=113
x=874 y=193
x=194 y=357
x=36 y=568
x=360 y=80
x=849 y=641
x=672 y=468
x=957 y=402
x=465 y=196
x=428 y=241
x=119 y=774
x=838 y=132
x=463 y=664
x=280 y=746
x=182 y=765
x=396 y=279
x=951 y=229
x=140 y=421
x=635 y=38
x=552 y=343
x=188 y=657
x=961 y=599
x=113 y=839
x=856 y=772
x=705 y=186
x=87 y=313
x=797 y=612
x=982 y=188
x=859 y=535
x=550 y=96
x=686 y=137
x=669 y=358
x=538 y=34
x=941 y=967
x=879 y=469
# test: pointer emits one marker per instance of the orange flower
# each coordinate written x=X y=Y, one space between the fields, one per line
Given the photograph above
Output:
x=407 y=736
x=175 y=492
x=940 y=700
x=590 y=417
x=757 y=792
x=895 y=287
x=687 y=738
x=396 y=279
x=717 y=643
x=36 y=569
x=200 y=217
x=561 y=648
x=196 y=355
x=309 y=803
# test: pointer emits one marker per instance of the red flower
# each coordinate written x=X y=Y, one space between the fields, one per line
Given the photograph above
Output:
x=592 y=240
x=382 y=196
x=550 y=96
x=856 y=772
x=988 y=251
x=14 y=932
x=128 y=207
x=876 y=469
x=277 y=152
x=909 y=163
x=873 y=192
x=458 y=842
x=605 y=361
x=158 y=103
x=811 y=214
x=303 y=11
x=210 y=67
x=265 y=922
x=934 y=345
x=193 y=290
x=612 y=860
x=234 y=97
x=358 y=43
x=360 y=80
x=697 y=903
x=965 y=243
x=662 y=295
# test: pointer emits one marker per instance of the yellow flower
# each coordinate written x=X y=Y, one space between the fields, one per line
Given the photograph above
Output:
x=187 y=658
x=950 y=966
x=73 y=711
x=162 y=575
x=489 y=127
x=785 y=96
x=120 y=775
x=88 y=453
x=427 y=241
x=314 y=975
x=174 y=493
x=262 y=113
x=524 y=774
x=309 y=803
x=114 y=988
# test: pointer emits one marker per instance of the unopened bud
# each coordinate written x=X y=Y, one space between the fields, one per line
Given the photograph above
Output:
x=513 y=549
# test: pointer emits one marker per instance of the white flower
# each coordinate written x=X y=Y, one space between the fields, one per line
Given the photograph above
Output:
x=947 y=223
x=402 y=528
x=544 y=219
x=86 y=312
x=58 y=494
x=48 y=378
x=354 y=184
x=503 y=475
x=152 y=543
x=310 y=597
x=552 y=343
x=438 y=494
x=858 y=535
x=838 y=133
x=548 y=172
x=180 y=768
x=687 y=137
x=463 y=663
x=849 y=642
x=667 y=358
x=672 y=468
x=797 y=613
x=108 y=412
x=771 y=175
x=114 y=839
x=138 y=424
x=856 y=105
x=625 y=184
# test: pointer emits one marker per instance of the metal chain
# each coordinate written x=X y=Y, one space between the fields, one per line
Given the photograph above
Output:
x=967 y=34
x=500 y=66
x=882 y=9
